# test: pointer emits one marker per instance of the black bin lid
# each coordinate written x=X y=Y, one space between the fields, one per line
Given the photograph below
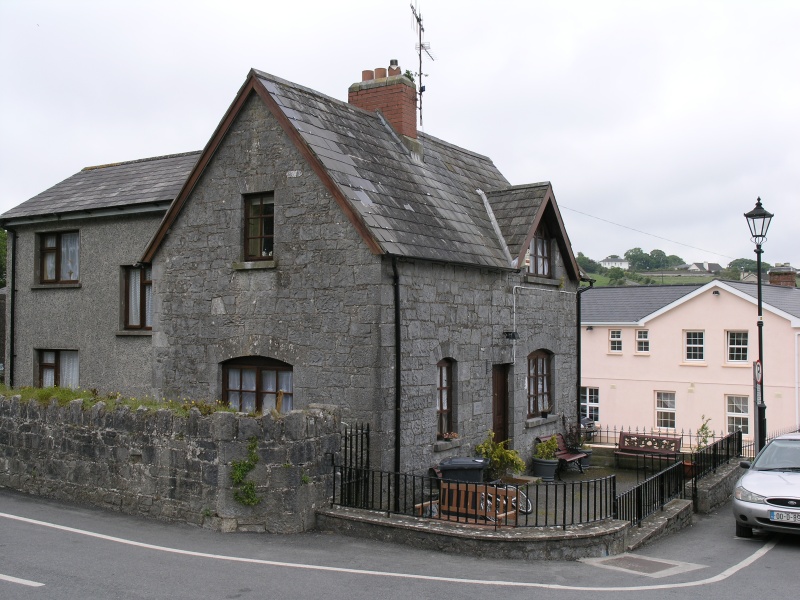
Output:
x=464 y=463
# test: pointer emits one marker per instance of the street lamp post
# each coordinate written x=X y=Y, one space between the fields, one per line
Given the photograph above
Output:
x=758 y=220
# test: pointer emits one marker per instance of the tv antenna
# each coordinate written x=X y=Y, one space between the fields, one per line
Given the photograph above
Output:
x=421 y=47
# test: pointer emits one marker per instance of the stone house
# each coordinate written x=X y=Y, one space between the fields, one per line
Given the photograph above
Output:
x=315 y=251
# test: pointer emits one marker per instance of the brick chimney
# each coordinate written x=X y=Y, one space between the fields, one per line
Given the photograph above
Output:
x=783 y=274
x=390 y=92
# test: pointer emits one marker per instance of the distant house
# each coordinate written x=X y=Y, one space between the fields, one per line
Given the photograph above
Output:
x=704 y=268
x=615 y=261
x=663 y=356
x=316 y=251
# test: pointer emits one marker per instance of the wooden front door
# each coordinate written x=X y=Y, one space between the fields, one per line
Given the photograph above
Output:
x=500 y=402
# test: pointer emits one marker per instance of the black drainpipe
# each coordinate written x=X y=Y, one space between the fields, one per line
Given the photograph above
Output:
x=397 y=388
x=12 y=285
x=578 y=344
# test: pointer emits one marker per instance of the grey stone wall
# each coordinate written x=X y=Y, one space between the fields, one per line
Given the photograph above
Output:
x=87 y=318
x=170 y=467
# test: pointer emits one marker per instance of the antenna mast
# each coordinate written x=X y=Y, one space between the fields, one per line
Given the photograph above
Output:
x=420 y=47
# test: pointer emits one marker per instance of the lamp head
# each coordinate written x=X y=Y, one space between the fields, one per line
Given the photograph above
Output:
x=758 y=220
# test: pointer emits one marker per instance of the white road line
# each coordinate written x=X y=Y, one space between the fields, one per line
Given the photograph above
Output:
x=27 y=582
x=486 y=582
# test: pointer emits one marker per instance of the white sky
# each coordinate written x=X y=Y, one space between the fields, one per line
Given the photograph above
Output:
x=667 y=117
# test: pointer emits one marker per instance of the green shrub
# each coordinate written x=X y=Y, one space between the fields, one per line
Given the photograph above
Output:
x=546 y=450
x=501 y=459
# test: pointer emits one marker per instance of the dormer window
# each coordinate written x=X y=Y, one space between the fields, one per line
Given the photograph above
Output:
x=540 y=263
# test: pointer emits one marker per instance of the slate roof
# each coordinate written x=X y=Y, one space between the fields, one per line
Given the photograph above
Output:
x=138 y=182
x=629 y=304
x=515 y=209
x=403 y=205
x=620 y=305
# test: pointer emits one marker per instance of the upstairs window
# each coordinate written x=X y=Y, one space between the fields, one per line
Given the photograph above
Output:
x=737 y=346
x=615 y=340
x=695 y=345
x=540 y=261
x=642 y=341
x=540 y=381
x=259 y=235
x=59 y=255
x=255 y=384
x=444 y=399
x=138 y=297
x=58 y=368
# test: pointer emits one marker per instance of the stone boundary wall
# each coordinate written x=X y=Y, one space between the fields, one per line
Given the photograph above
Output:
x=158 y=464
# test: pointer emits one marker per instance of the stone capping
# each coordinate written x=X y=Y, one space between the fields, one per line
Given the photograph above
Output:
x=170 y=467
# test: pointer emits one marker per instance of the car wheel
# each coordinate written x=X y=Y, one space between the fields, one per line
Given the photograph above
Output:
x=743 y=531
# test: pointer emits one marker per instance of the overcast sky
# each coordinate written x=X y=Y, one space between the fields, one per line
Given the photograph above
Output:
x=658 y=123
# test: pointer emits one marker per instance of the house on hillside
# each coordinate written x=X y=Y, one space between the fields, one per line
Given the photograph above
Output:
x=704 y=268
x=615 y=261
x=661 y=357
x=315 y=251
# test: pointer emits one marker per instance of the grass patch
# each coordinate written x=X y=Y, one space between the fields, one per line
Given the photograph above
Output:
x=63 y=396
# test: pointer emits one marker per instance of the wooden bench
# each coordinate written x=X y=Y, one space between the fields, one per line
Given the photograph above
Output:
x=565 y=455
x=641 y=444
x=467 y=503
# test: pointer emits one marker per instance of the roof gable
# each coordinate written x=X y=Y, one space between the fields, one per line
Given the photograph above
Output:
x=520 y=210
x=402 y=205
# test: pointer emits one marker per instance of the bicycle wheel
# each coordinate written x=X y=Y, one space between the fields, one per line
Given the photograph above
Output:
x=526 y=506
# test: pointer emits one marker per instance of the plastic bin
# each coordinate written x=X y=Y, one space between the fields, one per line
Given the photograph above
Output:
x=468 y=470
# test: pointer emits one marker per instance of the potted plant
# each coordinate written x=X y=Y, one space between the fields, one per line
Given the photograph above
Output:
x=577 y=444
x=545 y=463
x=501 y=459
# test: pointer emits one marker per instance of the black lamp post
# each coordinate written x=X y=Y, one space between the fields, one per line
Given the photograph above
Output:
x=758 y=220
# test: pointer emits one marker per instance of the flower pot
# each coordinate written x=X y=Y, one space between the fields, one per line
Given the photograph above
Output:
x=586 y=460
x=546 y=469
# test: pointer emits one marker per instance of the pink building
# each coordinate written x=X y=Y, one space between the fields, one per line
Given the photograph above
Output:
x=661 y=357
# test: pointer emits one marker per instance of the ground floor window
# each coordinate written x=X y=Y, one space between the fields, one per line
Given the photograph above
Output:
x=590 y=403
x=58 y=368
x=444 y=395
x=256 y=384
x=665 y=410
x=738 y=414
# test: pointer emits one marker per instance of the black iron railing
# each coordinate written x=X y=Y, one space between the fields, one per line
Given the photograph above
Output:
x=558 y=504
x=651 y=495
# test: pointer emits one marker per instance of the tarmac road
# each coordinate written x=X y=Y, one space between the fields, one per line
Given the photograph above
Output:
x=55 y=550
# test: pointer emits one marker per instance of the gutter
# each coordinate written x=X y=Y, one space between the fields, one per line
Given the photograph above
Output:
x=578 y=349
x=12 y=284
x=397 y=383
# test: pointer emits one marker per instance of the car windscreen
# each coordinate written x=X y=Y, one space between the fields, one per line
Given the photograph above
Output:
x=779 y=455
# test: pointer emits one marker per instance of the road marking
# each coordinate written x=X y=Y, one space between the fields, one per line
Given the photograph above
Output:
x=27 y=582
x=486 y=582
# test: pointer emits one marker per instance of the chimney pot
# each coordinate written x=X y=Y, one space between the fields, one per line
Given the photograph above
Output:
x=380 y=73
x=367 y=75
x=394 y=68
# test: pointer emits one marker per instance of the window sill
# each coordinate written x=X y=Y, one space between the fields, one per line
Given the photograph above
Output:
x=442 y=445
x=744 y=365
x=536 y=421
x=254 y=265
x=542 y=280
x=56 y=286
x=134 y=332
x=614 y=354
x=699 y=363
x=641 y=354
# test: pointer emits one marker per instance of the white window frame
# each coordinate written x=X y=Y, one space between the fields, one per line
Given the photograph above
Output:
x=698 y=350
x=590 y=402
x=737 y=347
x=615 y=341
x=643 y=341
x=665 y=406
x=740 y=412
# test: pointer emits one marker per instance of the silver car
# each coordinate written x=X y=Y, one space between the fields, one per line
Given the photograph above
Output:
x=767 y=496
